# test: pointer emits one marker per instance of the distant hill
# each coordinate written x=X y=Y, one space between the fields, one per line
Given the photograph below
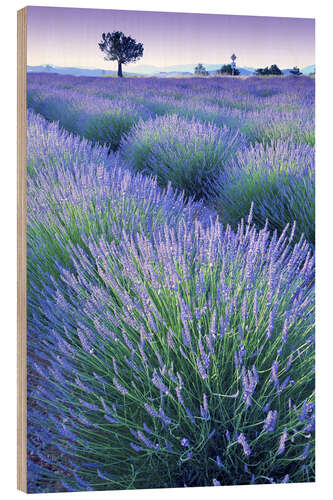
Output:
x=165 y=74
x=69 y=71
x=185 y=70
x=147 y=70
x=181 y=69
x=309 y=69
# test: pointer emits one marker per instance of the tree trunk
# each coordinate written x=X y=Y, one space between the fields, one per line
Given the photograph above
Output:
x=120 y=71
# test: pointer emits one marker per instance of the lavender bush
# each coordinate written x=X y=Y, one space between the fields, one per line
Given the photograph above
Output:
x=279 y=180
x=190 y=348
x=187 y=154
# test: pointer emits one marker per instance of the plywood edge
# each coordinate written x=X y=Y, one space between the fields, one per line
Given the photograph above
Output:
x=21 y=250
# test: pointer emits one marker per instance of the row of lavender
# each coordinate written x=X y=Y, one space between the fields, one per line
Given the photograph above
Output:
x=263 y=110
x=231 y=141
x=165 y=350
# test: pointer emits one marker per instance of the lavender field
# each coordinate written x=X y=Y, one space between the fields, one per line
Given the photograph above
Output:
x=171 y=240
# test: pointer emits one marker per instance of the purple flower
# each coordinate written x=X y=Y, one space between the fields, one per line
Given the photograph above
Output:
x=115 y=367
x=119 y=387
x=84 y=341
x=289 y=363
x=133 y=432
x=185 y=442
x=242 y=440
x=145 y=440
x=282 y=445
x=112 y=420
x=211 y=434
x=179 y=396
x=136 y=447
x=249 y=381
x=204 y=413
x=165 y=419
x=168 y=445
x=151 y=410
x=204 y=356
x=274 y=373
x=171 y=343
x=147 y=428
x=84 y=387
x=244 y=308
x=201 y=370
x=285 y=327
x=90 y=406
x=270 y=422
x=157 y=381
x=270 y=323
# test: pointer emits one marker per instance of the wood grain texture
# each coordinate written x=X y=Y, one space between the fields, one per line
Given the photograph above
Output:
x=21 y=250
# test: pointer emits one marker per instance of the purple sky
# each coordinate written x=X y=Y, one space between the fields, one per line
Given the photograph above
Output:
x=69 y=37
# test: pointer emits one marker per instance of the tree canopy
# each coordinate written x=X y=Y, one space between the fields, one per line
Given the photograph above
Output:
x=226 y=69
x=295 y=71
x=118 y=47
x=273 y=70
x=200 y=70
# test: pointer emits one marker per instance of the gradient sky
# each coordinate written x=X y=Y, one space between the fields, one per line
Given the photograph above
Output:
x=69 y=37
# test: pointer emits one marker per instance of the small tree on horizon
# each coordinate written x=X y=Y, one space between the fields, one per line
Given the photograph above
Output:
x=118 y=47
x=273 y=70
x=200 y=70
x=262 y=71
x=226 y=69
x=295 y=71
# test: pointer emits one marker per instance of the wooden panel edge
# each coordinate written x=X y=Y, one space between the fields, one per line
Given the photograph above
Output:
x=21 y=250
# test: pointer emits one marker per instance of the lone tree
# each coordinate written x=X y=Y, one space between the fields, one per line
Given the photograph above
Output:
x=295 y=71
x=227 y=69
x=200 y=70
x=121 y=48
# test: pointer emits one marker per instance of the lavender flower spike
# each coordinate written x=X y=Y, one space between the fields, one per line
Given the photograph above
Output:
x=270 y=422
x=242 y=440
x=216 y=482
x=283 y=440
x=185 y=442
x=119 y=387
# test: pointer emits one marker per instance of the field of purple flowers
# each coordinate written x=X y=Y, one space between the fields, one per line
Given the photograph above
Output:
x=170 y=282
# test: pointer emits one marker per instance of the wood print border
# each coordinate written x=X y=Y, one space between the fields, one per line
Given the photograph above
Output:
x=21 y=250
